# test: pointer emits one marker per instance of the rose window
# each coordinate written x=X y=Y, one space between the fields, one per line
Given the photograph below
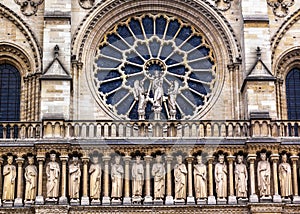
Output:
x=154 y=67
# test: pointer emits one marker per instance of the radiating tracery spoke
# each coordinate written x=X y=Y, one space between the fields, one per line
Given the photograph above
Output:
x=153 y=65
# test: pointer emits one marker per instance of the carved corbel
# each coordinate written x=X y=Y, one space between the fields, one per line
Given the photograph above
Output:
x=29 y=7
x=280 y=7
x=86 y=4
x=223 y=5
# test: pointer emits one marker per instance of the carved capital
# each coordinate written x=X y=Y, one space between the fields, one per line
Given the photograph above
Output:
x=210 y=159
x=169 y=159
x=190 y=159
x=19 y=161
x=251 y=158
x=127 y=159
x=148 y=158
x=85 y=160
x=106 y=158
x=230 y=159
x=294 y=158
x=275 y=158
x=63 y=158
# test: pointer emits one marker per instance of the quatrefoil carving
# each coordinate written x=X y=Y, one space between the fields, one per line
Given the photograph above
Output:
x=29 y=7
x=281 y=7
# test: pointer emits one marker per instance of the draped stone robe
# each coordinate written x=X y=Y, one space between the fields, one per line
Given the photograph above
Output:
x=117 y=173
x=31 y=182
x=95 y=181
x=285 y=179
x=180 y=173
x=200 y=180
x=221 y=180
x=158 y=171
x=9 y=173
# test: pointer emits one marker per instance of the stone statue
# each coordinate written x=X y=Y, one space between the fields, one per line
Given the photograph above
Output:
x=200 y=179
x=241 y=178
x=221 y=177
x=158 y=91
x=53 y=176
x=30 y=175
x=137 y=178
x=9 y=173
x=140 y=96
x=95 y=178
x=180 y=173
x=158 y=172
x=74 y=178
x=172 y=94
x=285 y=177
x=264 y=175
x=117 y=173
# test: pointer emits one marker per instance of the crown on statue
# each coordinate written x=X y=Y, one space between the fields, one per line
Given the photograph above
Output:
x=221 y=156
x=30 y=158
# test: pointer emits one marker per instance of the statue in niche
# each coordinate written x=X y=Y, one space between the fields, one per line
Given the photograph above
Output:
x=158 y=91
x=9 y=174
x=30 y=175
x=221 y=177
x=95 y=178
x=285 y=177
x=53 y=175
x=241 y=178
x=158 y=172
x=117 y=173
x=140 y=96
x=200 y=179
x=74 y=179
x=137 y=178
x=180 y=173
x=264 y=175
x=172 y=95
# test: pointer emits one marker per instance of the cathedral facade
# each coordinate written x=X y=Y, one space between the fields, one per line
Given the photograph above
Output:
x=149 y=106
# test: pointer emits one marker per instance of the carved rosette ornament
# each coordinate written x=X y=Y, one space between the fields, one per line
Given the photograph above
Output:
x=29 y=7
x=86 y=4
x=223 y=5
x=280 y=7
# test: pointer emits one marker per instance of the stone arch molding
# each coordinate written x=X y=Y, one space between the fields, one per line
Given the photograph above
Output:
x=287 y=61
x=206 y=17
x=32 y=61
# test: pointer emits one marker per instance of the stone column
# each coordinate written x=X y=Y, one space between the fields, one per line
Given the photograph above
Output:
x=148 y=197
x=190 y=199
x=63 y=199
x=276 y=196
x=231 y=197
x=85 y=198
x=127 y=198
x=19 y=200
x=106 y=198
x=253 y=196
x=169 y=198
x=211 y=197
x=39 y=198
x=296 y=198
x=1 y=182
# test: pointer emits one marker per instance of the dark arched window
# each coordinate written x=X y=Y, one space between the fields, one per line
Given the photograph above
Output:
x=10 y=83
x=293 y=94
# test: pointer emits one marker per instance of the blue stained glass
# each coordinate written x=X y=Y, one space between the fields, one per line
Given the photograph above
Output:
x=292 y=94
x=126 y=104
x=166 y=51
x=110 y=86
x=117 y=42
x=148 y=26
x=125 y=33
x=109 y=51
x=154 y=47
x=136 y=28
x=104 y=62
x=133 y=114
x=198 y=53
x=194 y=41
x=143 y=50
x=172 y=29
x=131 y=69
x=184 y=33
x=204 y=76
x=180 y=70
x=133 y=57
x=204 y=64
x=114 y=98
x=186 y=107
x=160 y=26
x=112 y=74
x=199 y=87
x=174 y=59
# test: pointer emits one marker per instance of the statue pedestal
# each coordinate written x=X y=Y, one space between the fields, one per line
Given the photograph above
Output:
x=169 y=200
x=286 y=200
x=116 y=201
x=126 y=201
x=62 y=200
x=179 y=201
x=74 y=202
x=95 y=202
x=201 y=201
x=18 y=202
x=148 y=200
x=52 y=201
x=211 y=200
x=136 y=200
x=221 y=201
x=85 y=201
x=8 y=203
x=277 y=199
x=190 y=200
x=296 y=199
x=242 y=200
x=29 y=203
x=265 y=199
x=232 y=199
x=253 y=199
x=39 y=200
x=105 y=200
x=158 y=202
